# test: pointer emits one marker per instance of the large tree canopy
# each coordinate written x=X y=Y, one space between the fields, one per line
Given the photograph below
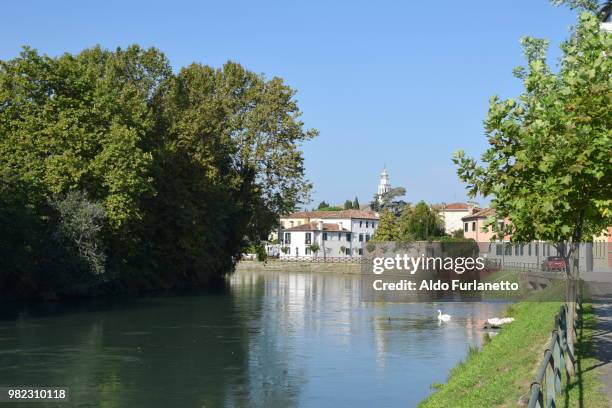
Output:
x=549 y=165
x=176 y=172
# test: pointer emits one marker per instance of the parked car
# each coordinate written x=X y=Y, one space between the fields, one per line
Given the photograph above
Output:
x=554 y=263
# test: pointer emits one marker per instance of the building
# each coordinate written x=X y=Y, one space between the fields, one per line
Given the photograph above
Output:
x=474 y=225
x=594 y=256
x=384 y=185
x=335 y=233
x=452 y=214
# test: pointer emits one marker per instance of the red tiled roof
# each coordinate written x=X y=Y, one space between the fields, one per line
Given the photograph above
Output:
x=313 y=226
x=334 y=214
x=457 y=206
x=453 y=206
x=484 y=213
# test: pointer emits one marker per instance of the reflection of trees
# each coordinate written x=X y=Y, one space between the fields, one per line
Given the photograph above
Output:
x=179 y=351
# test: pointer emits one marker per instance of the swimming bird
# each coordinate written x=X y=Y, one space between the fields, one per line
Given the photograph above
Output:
x=443 y=317
x=497 y=322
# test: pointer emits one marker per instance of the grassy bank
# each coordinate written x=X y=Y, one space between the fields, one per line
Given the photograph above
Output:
x=500 y=373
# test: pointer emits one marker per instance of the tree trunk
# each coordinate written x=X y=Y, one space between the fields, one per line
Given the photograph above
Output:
x=573 y=275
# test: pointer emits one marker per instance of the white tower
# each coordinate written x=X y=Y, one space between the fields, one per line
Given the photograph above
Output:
x=383 y=185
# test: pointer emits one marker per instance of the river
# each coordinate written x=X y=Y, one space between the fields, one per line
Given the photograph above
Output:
x=269 y=340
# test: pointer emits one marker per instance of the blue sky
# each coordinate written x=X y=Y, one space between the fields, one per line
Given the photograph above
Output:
x=398 y=83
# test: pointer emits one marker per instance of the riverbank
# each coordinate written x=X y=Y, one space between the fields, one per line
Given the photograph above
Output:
x=499 y=374
x=283 y=266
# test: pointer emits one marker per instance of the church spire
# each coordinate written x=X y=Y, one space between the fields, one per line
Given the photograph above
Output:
x=384 y=185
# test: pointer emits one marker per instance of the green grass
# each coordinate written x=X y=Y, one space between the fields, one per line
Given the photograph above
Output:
x=585 y=388
x=500 y=373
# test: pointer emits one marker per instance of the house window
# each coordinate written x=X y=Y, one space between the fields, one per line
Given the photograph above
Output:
x=339 y=236
x=308 y=238
x=516 y=250
x=307 y=251
x=529 y=249
x=348 y=237
x=367 y=237
x=288 y=250
x=287 y=237
x=465 y=227
x=537 y=249
x=291 y=223
x=347 y=251
x=522 y=248
x=325 y=236
x=473 y=225
x=367 y=224
x=508 y=251
x=360 y=237
x=498 y=249
x=360 y=251
x=360 y=224
x=297 y=251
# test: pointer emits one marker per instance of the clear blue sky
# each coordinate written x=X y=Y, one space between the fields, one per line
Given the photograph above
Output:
x=398 y=83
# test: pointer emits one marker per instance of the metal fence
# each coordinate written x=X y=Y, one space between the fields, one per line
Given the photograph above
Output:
x=546 y=387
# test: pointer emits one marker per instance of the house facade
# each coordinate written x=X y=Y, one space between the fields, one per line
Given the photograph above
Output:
x=451 y=214
x=594 y=256
x=335 y=234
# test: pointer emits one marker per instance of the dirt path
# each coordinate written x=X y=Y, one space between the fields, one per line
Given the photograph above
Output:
x=603 y=340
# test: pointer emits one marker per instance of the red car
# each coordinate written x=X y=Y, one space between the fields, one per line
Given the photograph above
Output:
x=554 y=263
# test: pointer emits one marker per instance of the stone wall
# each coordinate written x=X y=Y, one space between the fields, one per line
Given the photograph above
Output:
x=319 y=267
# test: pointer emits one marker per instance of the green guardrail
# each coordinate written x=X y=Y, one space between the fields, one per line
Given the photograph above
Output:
x=546 y=387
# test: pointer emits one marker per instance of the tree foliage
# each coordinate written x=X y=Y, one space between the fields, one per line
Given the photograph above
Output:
x=159 y=179
x=388 y=229
x=420 y=223
x=390 y=201
x=548 y=167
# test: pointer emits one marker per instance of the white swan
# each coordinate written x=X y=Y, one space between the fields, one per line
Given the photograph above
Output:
x=497 y=322
x=443 y=317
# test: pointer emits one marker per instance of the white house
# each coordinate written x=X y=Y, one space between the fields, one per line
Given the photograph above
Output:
x=336 y=233
x=451 y=214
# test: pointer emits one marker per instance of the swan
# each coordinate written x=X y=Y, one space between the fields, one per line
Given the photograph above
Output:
x=497 y=322
x=443 y=317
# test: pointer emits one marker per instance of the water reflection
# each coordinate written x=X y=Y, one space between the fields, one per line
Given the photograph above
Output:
x=271 y=340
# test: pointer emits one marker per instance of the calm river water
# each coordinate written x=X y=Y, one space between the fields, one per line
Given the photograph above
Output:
x=271 y=340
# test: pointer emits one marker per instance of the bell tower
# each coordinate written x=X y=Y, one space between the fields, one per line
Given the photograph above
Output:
x=384 y=185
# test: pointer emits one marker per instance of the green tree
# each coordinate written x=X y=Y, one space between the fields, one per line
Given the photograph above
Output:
x=322 y=205
x=348 y=205
x=314 y=248
x=585 y=5
x=390 y=201
x=80 y=225
x=159 y=179
x=548 y=167
x=420 y=223
x=356 y=205
x=388 y=229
